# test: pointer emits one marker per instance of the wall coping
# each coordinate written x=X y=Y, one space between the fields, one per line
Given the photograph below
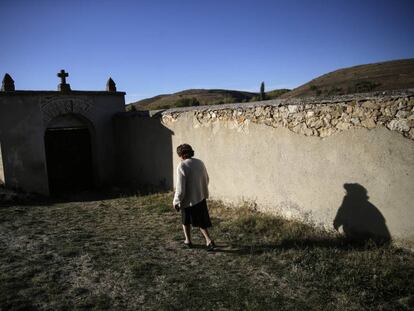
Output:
x=392 y=94
x=29 y=92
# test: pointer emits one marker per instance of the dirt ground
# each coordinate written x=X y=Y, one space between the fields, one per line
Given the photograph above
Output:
x=127 y=253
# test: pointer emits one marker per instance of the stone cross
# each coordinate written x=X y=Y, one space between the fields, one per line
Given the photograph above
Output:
x=62 y=75
x=63 y=86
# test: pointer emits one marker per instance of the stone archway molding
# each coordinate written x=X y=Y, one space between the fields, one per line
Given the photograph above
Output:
x=54 y=106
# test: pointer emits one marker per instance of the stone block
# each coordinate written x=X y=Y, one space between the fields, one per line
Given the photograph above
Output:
x=370 y=105
x=402 y=114
x=293 y=108
x=400 y=125
x=325 y=132
x=368 y=123
x=343 y=126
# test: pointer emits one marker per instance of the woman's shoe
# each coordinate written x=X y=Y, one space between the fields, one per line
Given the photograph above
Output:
x=189 y=245
x=211 y=246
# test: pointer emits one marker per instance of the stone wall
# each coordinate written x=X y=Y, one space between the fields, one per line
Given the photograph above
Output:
x=311 y=117
x=297 y=157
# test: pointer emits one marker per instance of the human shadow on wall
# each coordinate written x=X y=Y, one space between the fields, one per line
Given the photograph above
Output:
x=363 y=224
x=360 y=219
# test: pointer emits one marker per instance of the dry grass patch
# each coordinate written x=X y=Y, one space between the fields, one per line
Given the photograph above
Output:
x=127 y=254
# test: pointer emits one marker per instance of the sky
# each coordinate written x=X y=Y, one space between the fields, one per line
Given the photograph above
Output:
x=157 y=47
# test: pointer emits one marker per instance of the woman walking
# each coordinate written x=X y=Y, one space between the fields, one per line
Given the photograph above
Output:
x=191 y=194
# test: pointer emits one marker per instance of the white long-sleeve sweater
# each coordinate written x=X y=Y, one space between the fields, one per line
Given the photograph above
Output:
x=192 y=183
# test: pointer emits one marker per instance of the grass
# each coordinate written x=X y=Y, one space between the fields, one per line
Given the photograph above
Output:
x=384 y=76
x=127 y=254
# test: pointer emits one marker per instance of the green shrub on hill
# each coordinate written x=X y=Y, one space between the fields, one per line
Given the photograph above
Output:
x=315 y=89
x=364 y=86
x=131 y=108
x=335 y=91
x=276 y=93
x=160 y=107
x=187 y=102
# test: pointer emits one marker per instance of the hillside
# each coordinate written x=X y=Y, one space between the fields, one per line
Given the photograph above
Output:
x=391 y=75
x=201 y=97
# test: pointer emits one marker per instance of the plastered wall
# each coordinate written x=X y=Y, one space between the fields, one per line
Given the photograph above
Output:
x=24 y=117
x=300 y=158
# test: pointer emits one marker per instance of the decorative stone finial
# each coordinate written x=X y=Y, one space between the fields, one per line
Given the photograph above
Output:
x=8 y=84
x=63 y=86
x=110 y=85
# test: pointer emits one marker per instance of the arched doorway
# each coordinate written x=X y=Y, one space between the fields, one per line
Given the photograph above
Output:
x=68 y=146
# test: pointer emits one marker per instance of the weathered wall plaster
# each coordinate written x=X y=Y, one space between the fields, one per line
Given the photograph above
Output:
x=294 y=157
x=24 y=118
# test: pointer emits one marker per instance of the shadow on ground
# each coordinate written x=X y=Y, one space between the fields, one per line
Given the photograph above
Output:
x=13 y=198
x=339 y=243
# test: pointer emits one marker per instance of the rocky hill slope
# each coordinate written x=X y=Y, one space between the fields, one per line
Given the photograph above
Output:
x=391 y=75
x=195 y=97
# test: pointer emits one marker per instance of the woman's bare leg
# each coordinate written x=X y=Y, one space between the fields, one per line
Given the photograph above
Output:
x=187 y=233
x=206 y=235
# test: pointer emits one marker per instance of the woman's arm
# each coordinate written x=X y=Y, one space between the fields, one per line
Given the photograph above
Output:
x=180 y=186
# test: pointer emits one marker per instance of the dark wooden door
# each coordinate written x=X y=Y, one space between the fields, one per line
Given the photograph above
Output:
x=69 y=160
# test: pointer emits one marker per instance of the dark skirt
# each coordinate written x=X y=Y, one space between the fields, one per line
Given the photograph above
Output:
x=196 y=215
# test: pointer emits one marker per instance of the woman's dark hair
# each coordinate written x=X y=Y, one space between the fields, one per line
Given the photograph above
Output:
x=185 y=151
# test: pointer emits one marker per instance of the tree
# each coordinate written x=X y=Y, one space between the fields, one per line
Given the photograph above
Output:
x=187 y=102
x=262 y=91
x=131 y=108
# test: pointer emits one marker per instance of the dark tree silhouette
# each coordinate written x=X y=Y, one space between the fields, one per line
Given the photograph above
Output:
x=262 y=91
